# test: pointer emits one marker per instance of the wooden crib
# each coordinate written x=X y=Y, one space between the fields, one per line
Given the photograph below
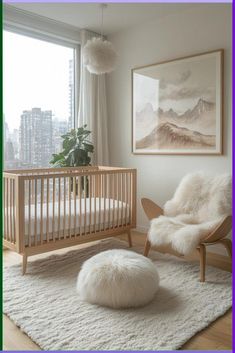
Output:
x=49 y=209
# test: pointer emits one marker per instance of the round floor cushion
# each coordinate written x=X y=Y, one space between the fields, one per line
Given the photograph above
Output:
x=118 y=279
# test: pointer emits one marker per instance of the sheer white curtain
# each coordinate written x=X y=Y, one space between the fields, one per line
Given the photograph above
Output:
x=93 y=107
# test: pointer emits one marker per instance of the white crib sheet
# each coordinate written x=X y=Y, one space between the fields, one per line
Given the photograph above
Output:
x=101 y=213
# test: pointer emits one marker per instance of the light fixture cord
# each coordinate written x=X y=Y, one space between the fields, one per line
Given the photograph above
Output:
x=102 y=19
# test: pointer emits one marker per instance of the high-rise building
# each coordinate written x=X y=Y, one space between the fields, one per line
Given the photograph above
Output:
x=71 y=95
x=36 y=145
x=5 y=129
x=15 y=139
x=60 y=127
x=10 y=148
x=9 y=153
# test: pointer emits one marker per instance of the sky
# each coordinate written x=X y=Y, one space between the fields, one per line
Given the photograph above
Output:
x=178 y=85
x=35 y=74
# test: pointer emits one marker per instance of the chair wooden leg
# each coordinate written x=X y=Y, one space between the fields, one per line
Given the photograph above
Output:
x=228 y=246
x=24 y=264
x=147 y=247
x=202 y=253
x=129 y=238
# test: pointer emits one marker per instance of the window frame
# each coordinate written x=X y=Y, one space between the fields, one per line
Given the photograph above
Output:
x=47 y=37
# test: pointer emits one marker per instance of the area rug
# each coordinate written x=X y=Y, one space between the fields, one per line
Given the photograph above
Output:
x=44 y=304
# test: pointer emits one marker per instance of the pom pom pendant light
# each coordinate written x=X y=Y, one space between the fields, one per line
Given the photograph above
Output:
x=99 y=56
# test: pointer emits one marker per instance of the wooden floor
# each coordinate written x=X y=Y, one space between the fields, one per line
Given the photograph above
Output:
x=218 y=336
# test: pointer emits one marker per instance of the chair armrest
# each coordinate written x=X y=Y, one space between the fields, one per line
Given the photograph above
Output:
x=151 y=209
x=220 y=232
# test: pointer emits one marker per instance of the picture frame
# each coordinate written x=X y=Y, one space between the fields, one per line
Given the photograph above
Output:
x=177 y=106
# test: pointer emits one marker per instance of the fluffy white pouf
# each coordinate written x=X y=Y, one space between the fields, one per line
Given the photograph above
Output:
x=118 y=279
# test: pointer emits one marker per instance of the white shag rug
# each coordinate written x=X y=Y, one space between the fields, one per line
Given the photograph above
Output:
x=45 y=305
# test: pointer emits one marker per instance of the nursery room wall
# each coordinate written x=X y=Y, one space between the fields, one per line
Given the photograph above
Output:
x=200 y=29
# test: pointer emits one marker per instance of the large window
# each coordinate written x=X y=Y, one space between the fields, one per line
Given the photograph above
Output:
x=39 y=99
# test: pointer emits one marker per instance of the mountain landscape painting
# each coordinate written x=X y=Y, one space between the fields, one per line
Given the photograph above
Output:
x=177 y=106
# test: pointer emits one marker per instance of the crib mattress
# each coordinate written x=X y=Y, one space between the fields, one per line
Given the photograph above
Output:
x=66 y=218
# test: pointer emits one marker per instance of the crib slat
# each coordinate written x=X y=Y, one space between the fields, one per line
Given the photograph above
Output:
x=7 y=205
x=29 y=209
x=133 y=190
x=10 y=197
x=5 y=208
x=9 y=209
x=95 y=185
x=101 y=200
x=104 y=184
x=126 y=196
x=122 y=193
x=90 y=193
x=113 y=201
x=41 y=222
x=8 y=231
x=47 y=220
x=80 y=205
x=59 y=204
x=100 y=194
x=74 y=205
x=70 y=207
x=130 y=199
x=85 y=197
x=109 y=197
x=53 y=209
x=94 y=201
x=14 y=218
x=35 y=210
x=118 y=198
x=64 y=225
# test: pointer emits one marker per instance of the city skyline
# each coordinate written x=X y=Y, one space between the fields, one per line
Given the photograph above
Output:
x=43 y=93
x=33 y=144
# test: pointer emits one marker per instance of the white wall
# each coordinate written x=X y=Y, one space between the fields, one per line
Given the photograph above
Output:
x=200 y=29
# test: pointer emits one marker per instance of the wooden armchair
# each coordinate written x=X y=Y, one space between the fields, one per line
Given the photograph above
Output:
x=152 y=210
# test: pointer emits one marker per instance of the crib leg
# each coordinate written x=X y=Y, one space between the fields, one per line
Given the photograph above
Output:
x=147 y=247
x=24 y=264
x=129 y=238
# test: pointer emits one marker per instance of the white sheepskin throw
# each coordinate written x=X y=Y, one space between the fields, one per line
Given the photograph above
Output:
x=198 y=206
x=99 y=56
x=118 y=279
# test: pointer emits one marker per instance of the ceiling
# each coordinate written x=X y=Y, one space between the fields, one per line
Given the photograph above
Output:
x=117 y=16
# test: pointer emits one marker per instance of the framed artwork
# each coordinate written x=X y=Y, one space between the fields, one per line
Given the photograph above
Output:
x=177 y=106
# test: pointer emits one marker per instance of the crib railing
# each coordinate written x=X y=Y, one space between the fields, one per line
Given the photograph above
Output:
x=45 y=206
x=10 y=216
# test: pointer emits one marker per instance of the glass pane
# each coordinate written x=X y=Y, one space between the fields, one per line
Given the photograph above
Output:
x=38 y=81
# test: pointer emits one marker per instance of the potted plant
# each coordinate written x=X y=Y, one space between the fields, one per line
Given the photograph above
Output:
x=76 y=151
